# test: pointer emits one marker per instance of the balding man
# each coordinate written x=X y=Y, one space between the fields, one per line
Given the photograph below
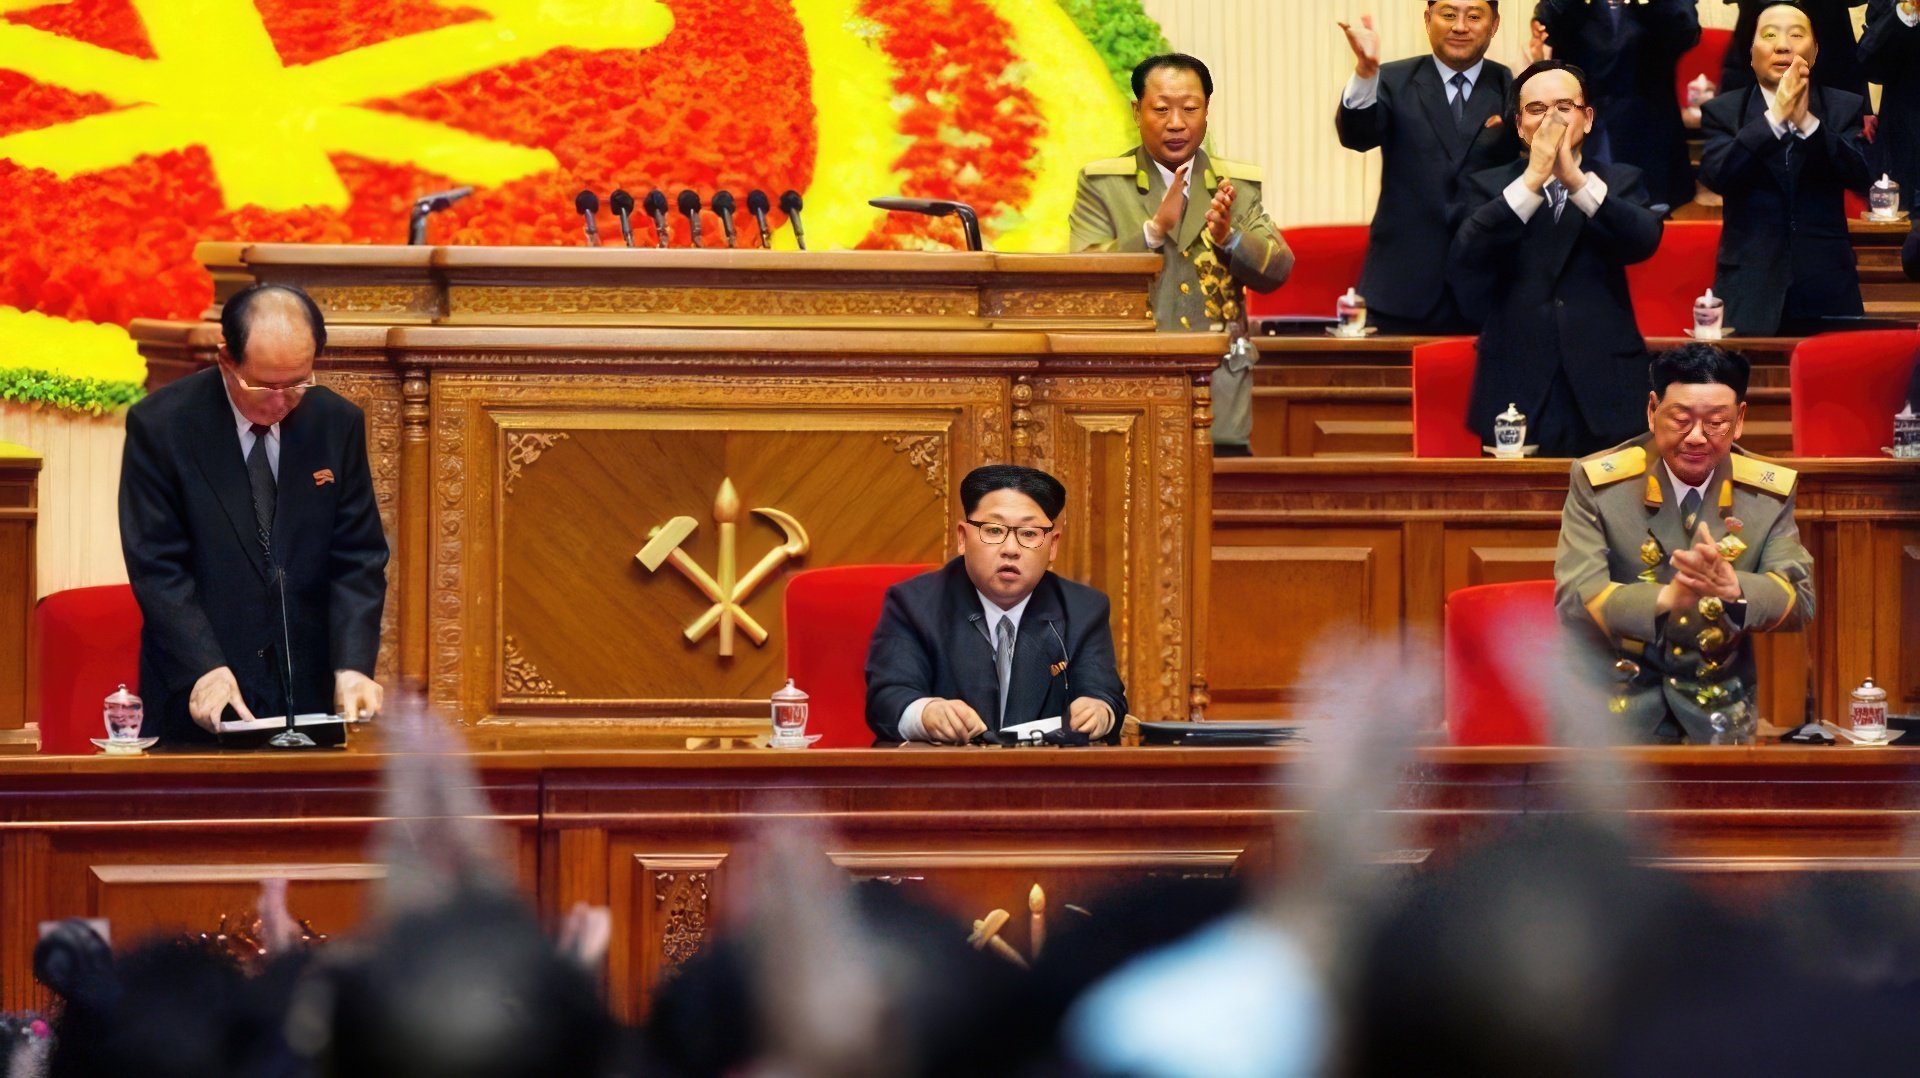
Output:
x=1784 y=153
x=242 y=484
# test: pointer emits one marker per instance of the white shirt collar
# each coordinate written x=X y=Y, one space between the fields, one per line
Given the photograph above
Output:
x=241 y=422
x=995 y=612
x=1166 y=174
x=1447 y=74
x=1680 y=489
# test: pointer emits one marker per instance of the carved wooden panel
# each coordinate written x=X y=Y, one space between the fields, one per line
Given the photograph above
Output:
x=378 y=396
x=1899 y=607
x=670 y=914
x=142 y=901
x=1477 y=556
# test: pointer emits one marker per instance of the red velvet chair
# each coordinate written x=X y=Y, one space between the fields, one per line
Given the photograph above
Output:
x=1326 y=262
x=1442 y=385
x=1485 y=703
x=89 y=641
x=1844 y=388
x=1704 y=58
x=830 y=616
x=1665 y=286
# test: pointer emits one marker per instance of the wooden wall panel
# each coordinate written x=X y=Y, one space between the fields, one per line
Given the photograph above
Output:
x=1476 y=556
x=20 y=472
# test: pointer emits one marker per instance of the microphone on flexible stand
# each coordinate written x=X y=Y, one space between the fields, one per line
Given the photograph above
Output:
x=790 y=205
x=758 y=205
x=289 y=738
x=724 y=208
x=690 y=208
x=588 y=204
x=934 y=207
x=430 y=204
x=622 y=204
x=656 y=204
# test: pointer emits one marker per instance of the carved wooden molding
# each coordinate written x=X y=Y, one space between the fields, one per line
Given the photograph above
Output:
x=339 y=300
x=379 y=398
x=924 y=451
x=1061 y=303
x=522 y=678
x=677 y=890
x=713 y=302
x=522 y=451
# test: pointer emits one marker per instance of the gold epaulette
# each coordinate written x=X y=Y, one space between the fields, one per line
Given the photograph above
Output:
x=1764 y=474
x=1615 y=466
x=1112 y=166
x=1237 y=170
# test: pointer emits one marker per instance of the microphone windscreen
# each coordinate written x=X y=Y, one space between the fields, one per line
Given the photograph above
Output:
x=587 y=202
x=689 y=203
x=757 y=201
x=656 y=202
x=723 y=203
x=621 y=202
x=790 y=203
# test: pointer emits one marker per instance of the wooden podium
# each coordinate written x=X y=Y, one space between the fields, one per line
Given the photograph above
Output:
x=535 y=414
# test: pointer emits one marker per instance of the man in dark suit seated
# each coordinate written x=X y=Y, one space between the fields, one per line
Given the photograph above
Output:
x=1629 y=53
x=1435 y=119
x=994 y=639
x=239 y=483
x=1783 y=153
x=1890 y=52
x=1543 y=260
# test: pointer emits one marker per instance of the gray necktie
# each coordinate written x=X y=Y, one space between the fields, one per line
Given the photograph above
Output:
x=1459 y=84
x=1003 y=661
x=1557 y=194
x=1690 y=512
x=260 y=480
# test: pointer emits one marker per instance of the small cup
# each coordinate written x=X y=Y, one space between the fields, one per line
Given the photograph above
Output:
x=124 y=713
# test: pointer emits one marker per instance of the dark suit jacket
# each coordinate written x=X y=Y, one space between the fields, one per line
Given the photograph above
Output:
x=1838 y=66
x=1554 y=296
x=197 y=568
x=1890 y=52
x=1784 y=250
x=1910 y=254
x=932 y=640
x=1630 y=73
x=1423 y=156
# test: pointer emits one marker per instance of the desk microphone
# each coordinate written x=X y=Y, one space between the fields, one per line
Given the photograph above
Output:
x=430 y=204
x=690 y=209
x=657 y=209
x=934 y=207
x=758 y=205
x=622 y=204
x=588 y=204
x=290 y=738
x=790 y=205
x=723 y=207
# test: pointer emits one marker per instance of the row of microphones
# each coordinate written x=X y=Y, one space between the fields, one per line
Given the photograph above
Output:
x=587 y=204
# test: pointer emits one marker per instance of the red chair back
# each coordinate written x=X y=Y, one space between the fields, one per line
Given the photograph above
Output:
x=1704 y=58
x=89 y=641
x=1844 y=388
x=830 y=616
x=1665 y=286
x=1442 y=386
x=1326 y=262
x=1488 y=698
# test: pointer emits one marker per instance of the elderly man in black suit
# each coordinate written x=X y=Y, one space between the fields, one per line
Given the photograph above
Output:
x=1890 y=52
x=1832 y=20
x=240 y=484
x=994 y=639
x=1629 y=53
x=1783 y=153
x=1543 y=258
x=1435 y=119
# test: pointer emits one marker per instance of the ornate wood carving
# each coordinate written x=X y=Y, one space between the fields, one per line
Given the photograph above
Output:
x=522 y=451
x=345 y=300
x=379 y=399
x=681 y=899
x=714 y=302
x=1050 y=303
x=520 y=676
x=1170 y=431
x=924 y=451
x=1022 y=418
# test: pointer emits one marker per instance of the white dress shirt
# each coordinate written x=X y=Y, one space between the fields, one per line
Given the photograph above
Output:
x=246 y=434
x=1525 y=203
x=910 y=726
x=1362 y=93
x=1680 y=490
x=1780 y=127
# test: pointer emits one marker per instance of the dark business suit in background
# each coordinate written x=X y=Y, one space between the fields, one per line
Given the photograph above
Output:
x=932 y=641
x=1424 y=154
x=1559 y=340
x=195 y=561
x=1838 y=66
x=1890 y=52
x=1910 y=254
x=1629 y=54
x=1785 y=257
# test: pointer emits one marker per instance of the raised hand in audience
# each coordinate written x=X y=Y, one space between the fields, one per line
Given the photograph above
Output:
x=1790 y=100
x=1566 y=161
x=1544 y=154
x=951 y=721
x=1365 y=43
x=1166 y=219
x=1220 y=215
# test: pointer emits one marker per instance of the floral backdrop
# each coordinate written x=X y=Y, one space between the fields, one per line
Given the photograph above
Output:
x=130 y=130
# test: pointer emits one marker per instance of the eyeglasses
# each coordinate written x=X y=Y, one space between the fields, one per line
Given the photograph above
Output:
x=293 y=390
x=995 y=534
x=1682 y=425
x=1538 y=109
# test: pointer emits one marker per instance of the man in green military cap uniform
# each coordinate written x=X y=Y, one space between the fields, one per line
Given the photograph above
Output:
x=1201 y=213
x=1677 y=546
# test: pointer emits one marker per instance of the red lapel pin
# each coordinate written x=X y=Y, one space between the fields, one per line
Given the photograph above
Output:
x=322 y=477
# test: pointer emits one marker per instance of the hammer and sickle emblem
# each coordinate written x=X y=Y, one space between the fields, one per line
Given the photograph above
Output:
x=729 y=590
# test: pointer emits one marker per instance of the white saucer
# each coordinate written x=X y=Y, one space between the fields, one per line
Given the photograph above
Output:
x=1898 y=217
x=1525 y=451
x=803 y=742
x=137 y=747
x=1725 y=332
x=1370 y=331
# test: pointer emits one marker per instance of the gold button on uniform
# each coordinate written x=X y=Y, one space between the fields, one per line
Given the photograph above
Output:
x=1184 y=324
x=1185 y=288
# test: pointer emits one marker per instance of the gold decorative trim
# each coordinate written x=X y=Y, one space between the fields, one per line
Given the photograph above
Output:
x=1047 y=303
x=923 y=452
x=522 y=451
x=336 y=300
x=522 y=678
x=379 y=398
x=712 y=302
x=683 y=902
x=1173 y=426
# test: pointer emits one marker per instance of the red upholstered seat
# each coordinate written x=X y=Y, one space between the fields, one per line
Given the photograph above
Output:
x=1488 y=702
x=1326 y=262
x=1704 y=58
x=1844 y=389
x=89 y=641
x=830 y=617
x=1665 y=286
x=1442 y=385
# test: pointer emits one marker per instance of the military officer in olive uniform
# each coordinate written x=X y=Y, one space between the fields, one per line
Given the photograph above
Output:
x=1201 y=213
x=1677 y=547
